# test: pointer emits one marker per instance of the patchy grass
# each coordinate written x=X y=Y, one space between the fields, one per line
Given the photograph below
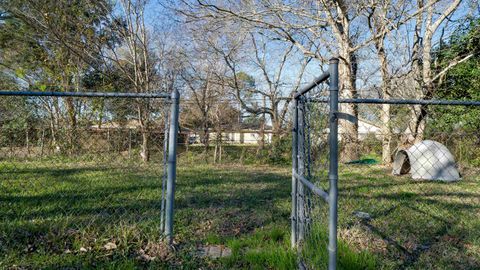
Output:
x=317 y=258
x=56 y=214
x=61 y=215
x=413 y=224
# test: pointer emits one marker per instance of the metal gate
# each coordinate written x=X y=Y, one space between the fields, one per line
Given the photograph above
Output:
x=310 y=191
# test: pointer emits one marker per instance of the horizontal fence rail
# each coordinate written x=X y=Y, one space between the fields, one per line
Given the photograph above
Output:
x=85 y=94
x=400 y=101
x=319 y=191
x=322 y=78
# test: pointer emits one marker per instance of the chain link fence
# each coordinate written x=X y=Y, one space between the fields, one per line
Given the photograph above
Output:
x=410 y=190
x=408 y=183
x=81 y=171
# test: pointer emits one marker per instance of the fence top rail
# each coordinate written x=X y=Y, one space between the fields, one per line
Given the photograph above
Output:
x=85 y=94
x=400 y=101
x=312 y=85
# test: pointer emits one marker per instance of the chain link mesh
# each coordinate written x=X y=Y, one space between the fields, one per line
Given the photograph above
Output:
x=410 y=190
x=408 y=186
x=77 y=173
x=312 y=213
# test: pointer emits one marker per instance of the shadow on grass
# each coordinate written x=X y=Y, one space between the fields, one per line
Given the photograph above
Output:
x=39 y=206
x=422 y=222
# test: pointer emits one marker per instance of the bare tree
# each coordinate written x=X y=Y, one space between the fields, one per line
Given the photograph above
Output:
x=202 y=94
x=381 y=16
x=377 y=23
x=224 y=116
x=321 y=29
x=245 y=52
x=427 y=22
x=266 y=96
x=209 y=107
x=308 y=26
x=135 y=63
x=147 y=64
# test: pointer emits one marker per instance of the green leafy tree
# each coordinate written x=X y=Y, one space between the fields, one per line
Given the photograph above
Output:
x=460 y=82
x=458 y=66
x=46 y=45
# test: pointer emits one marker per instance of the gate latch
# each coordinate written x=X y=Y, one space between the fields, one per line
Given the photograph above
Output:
x=346 y=116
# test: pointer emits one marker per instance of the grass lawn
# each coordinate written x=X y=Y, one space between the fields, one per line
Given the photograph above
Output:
x=67 y=215
x=413 y=224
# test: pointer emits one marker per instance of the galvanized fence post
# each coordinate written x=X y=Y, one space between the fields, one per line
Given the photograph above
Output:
x=294 y=172
x=333 y=165
x=172 y=165
x=165 y=170
x=300 y=170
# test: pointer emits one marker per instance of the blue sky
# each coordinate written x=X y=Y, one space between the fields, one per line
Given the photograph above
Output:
x=157 y=15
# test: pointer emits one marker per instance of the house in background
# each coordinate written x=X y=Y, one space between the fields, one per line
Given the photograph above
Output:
x=252 y=136
x=366 y=127
x=242 y=136
x=244 y=130
x=129 y=124
x=246 y=136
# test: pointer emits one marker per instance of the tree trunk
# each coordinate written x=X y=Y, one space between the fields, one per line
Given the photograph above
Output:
x=108 y=140
x=27 y=140
x=42 y=145
x=205 y=139
x=276 y=134
x=416 y=125
x=348 y=89
x=143 y=117
x=221 y=152
x=100 y=115
x=129 y=143
x=217 y=155
x=55 y=126
x=72 y=122
x=262 y=130
x=386 y=108
x=145 y=153
x=386 y=135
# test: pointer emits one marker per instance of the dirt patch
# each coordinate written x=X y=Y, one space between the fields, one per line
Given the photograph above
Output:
x=155 y=251
x=214 y=251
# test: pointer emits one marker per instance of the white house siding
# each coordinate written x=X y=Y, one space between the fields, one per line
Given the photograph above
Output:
x=253 y=138
x=364 y=128
x=237 y=137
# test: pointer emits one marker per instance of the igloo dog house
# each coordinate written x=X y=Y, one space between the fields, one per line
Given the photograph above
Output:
x=429 y=160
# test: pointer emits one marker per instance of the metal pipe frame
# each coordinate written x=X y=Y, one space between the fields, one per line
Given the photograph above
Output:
x=300 y=170
x=293 y=237
x=172 y=166
x=320 y=192
x=331 y=197
x=333 y=166
x=165 y=174
x=312 y=85
x=85 y=94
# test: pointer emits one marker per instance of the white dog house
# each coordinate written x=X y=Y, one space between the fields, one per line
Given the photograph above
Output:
x=429 y=160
